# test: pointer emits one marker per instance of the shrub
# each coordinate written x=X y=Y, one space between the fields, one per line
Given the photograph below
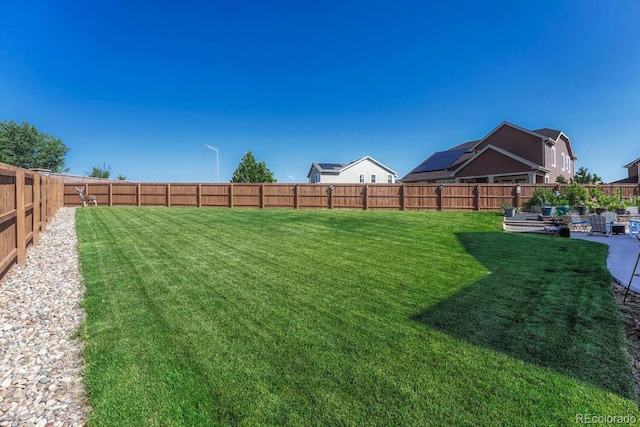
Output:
x=575 y=194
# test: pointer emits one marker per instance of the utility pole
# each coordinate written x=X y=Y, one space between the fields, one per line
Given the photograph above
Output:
x=217 y=167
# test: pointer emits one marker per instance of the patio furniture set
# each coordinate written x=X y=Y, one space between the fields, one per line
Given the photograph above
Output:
x=607 y=223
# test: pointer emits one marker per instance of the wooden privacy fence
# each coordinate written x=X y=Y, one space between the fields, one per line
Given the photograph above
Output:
x=459 y=197
x=28 y=202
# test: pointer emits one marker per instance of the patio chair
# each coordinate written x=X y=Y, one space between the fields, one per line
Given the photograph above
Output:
x=601 y=223
x=576 y=223
x=634 y=227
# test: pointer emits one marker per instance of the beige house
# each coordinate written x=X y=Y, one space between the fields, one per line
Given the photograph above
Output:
x=364 y=170
x=508 y=154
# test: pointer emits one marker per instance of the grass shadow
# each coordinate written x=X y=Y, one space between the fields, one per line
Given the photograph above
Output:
x=547 y=301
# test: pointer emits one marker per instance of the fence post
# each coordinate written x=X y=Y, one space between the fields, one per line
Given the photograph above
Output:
x=295 y=196
x=262 y=198
x=476 y=198
x=440 y=197
x=168 y=195
x=20 y=218
x=231 y=195
x=86 y=190
x=110 y=195
x=199 y=195
x=330 y=193
x=402 y=197
x=139 y=195
x=366 y=197
x=44 y=218
x=51 y=207
x=36 y=209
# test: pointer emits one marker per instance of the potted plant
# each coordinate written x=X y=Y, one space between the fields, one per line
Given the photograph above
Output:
x=597 y=201
x=540 y=199
x=582 y=208
x=562 y=206
x=617 y=204
x=509 y=211
x=545 y=206
x=576 y=195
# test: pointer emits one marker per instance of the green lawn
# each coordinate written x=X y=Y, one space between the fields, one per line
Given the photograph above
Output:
x=292 y=317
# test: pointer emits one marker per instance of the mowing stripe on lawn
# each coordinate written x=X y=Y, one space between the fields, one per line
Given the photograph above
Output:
x=287 y=317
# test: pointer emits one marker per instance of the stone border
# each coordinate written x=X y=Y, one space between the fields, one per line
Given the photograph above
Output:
x=41 y=361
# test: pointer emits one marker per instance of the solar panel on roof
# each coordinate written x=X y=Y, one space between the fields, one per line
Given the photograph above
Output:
x=330 y=165
x=440 y=160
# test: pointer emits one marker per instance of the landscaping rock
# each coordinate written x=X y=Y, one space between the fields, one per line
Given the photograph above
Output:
x=40 y=359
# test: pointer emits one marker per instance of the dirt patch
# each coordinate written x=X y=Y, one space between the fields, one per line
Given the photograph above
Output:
x=630 y=312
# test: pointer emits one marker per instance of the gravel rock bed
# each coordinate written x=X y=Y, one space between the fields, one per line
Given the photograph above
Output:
x=41 y=361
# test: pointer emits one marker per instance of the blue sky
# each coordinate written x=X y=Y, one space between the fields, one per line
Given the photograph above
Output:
x=141 y=85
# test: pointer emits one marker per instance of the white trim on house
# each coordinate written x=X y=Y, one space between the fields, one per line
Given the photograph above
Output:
x=569 y=146
x=372 y=160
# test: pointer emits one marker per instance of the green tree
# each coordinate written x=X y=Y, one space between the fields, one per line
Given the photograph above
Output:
x=249 y=170
x=24 y=146
x=100 y=172
x=121 y=178
x=583 y=176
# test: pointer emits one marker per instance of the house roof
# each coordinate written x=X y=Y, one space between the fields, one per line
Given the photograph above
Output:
x=337 y=168
x=329 y=167
x=551 y=133
x=630 y=180
x=635 y=162
x=442 y=164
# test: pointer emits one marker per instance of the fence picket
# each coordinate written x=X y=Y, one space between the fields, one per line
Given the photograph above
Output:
x=450 y=196
x=28 y=201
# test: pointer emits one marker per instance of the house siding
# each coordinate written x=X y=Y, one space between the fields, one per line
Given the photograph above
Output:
x=351 y=174
x=562 y=147
x=522 y=144
x=493 y=163
x=312 y=175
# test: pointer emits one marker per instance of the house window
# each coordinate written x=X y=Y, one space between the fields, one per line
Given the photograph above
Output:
x=568 y=165
x=373 y=177
x=563 y=162
x=361 y=177
x=546 y=179
x=316 y=178
x=390 y=179
x=553 y=156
